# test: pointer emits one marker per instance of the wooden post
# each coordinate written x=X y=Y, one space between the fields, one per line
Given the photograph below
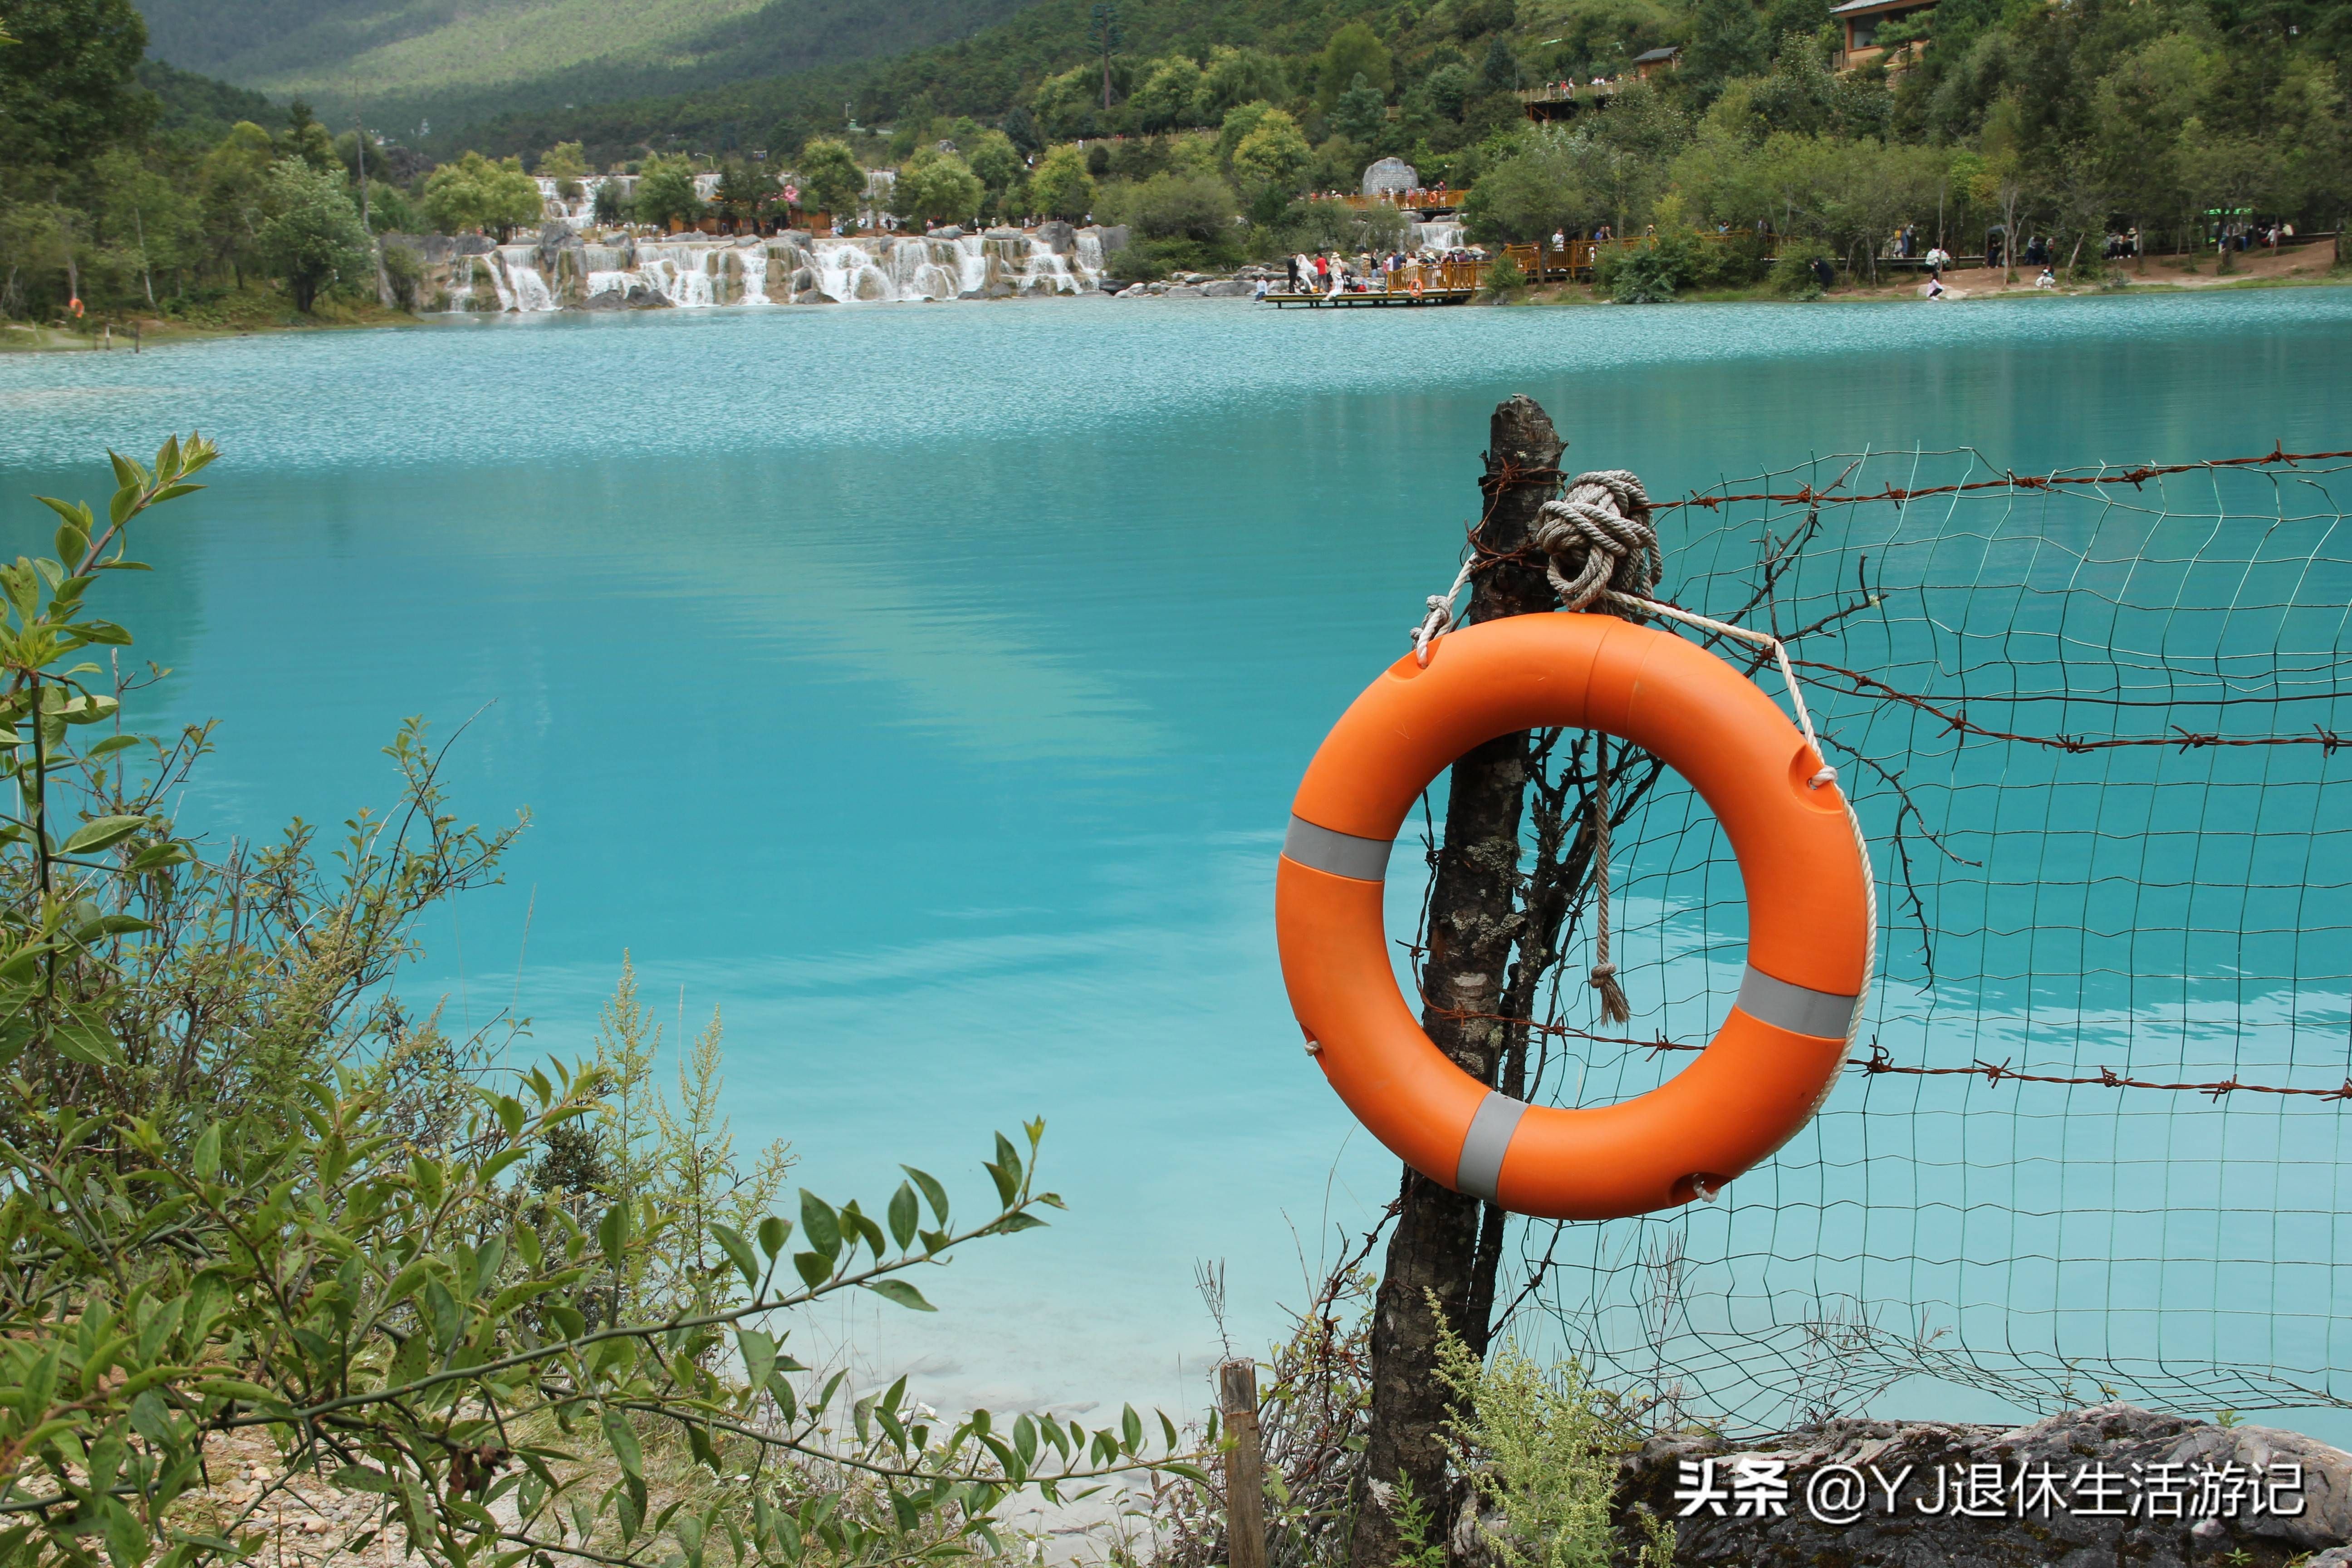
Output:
x=1244 y=1465
x=1473 y=922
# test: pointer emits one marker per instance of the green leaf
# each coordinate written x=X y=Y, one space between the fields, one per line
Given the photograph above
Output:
x=155 y=857
x=208 y=1148
x=906 y=1214
x=510 y=1110
x=759 y=1353
x=101 y=833
x=1130 y=1429
x=732 y=1241
x=814 y=1270
x=75 y=512
x=623 y=1442
x=774 y=1234
x=126 y=1538
x=85 y=1041
x=72 y=543
x=108 y=925
x=1013 y=1222
x=820 y=1227
x=613 y=1231
x=441 y=1309
x=935 y=1194
x=900 y=1291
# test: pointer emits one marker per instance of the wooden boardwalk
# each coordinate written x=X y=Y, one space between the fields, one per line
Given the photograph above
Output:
x=1376 y=299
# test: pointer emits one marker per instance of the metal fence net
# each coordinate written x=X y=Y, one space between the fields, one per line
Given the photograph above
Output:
x=2090 y=1141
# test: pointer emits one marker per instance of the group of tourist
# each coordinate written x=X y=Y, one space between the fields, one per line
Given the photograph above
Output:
x=1331 y=274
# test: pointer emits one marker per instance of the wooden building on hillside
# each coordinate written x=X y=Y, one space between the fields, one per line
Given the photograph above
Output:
x=1861 y=20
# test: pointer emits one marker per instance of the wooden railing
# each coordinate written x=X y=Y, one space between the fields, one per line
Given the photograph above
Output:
x=1421 y=201
x=1543 y=263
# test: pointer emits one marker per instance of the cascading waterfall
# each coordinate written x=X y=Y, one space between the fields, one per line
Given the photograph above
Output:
x=1442 y=233
x=692 y=273
x=925 y=269
x=681 y=273
x=461 y=283
x=526 y=289
x=754 y=259
x=1042 y=269
x=845 y=271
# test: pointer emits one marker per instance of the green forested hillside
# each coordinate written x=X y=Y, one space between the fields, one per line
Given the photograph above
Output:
x=413 y=61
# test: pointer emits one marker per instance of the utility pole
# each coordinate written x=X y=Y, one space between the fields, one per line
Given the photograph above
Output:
x=1473 y=921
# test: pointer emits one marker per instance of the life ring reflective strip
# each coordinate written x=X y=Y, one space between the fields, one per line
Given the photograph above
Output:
x=1811 y=910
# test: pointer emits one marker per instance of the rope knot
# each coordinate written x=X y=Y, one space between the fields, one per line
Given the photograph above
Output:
x=1598 y=539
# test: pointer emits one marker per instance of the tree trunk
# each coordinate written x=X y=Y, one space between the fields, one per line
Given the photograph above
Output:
x=1472 y=921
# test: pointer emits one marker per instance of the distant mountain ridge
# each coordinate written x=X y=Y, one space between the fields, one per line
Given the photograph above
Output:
x=452 y=62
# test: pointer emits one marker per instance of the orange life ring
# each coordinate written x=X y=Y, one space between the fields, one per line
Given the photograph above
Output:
x=1810 y=916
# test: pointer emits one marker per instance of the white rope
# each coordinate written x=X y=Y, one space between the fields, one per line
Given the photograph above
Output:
x=1440 y=619
x=1827 y=774
x=1780 y=655
x=1601 y=527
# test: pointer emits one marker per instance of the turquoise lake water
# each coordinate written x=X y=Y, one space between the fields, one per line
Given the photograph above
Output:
x=925 y=686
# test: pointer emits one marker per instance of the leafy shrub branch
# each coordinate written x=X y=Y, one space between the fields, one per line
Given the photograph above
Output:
x=520 y=1314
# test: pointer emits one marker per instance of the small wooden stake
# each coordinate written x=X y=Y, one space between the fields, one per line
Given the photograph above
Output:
x=1244 y=1465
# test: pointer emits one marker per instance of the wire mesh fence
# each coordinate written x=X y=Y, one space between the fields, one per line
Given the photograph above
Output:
x=2092 y=1140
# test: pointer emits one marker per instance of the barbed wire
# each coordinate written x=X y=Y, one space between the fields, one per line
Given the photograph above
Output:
x=2134 y=477
x=1878 y=1061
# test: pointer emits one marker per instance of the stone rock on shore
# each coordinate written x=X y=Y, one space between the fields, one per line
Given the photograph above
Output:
x=1059 y=237
x=2158 y=1510
x=1226 y=289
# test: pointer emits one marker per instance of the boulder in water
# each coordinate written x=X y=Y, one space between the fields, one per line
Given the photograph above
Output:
x=1058 y=238
x=1004 y=232
x=1112 y=237
x=1184 y=292
x=950 y=231
x=1226 y=289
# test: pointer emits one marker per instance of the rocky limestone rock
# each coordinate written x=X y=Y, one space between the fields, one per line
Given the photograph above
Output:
x=1182 y=291
x=1002 y=231
x=473 y=244
x=1390 y=176
x=2111 y=1485
x=1227 y=288
x=1134 y=292
x=1058 y=238
x=950 y=231
x=1113 y=237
